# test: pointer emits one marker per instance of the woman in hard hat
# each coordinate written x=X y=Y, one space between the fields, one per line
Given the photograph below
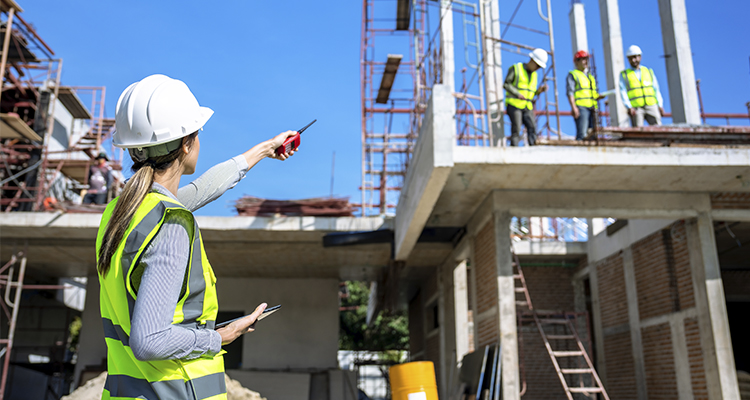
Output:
x=158 y=294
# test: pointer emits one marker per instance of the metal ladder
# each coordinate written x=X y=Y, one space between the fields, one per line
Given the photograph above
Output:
x=577 y=361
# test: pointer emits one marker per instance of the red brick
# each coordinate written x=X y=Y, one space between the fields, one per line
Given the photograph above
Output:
x=695 y=358
x=618 y=355
x=661 y=381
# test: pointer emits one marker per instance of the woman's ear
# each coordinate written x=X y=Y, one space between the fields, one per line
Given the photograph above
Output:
x=186 y=146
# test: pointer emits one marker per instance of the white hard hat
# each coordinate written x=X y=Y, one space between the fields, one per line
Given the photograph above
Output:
x=154 y=111
x=633 y=51
x=540 y=57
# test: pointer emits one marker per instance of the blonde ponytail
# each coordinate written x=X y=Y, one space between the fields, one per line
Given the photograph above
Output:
x=130 y=199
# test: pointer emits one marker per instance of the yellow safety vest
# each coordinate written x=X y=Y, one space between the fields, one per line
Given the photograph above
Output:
x=585 y=92
x=526 y=86
x=129 y=378
x=640 y=92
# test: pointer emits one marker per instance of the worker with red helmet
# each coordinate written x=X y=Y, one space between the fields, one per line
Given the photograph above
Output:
x=582 y=94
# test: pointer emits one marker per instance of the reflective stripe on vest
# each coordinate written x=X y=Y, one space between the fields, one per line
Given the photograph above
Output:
x=128 y=387
x=640 y=91
x=585 y=92
x=526 y=85
x=197 y=308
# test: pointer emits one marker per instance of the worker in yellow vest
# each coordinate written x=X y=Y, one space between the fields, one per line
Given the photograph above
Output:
x=158 y=291
x=520 y=91
x=640 y=92
x=580 y=86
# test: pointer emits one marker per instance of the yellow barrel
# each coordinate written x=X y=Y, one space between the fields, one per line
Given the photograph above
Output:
x=413 y=381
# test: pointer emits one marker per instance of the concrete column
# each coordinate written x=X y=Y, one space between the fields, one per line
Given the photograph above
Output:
x=446 y=41
x=634 y=320
x=596 y=309
x=506 y=304
x=716 y=343
x=614 y=58
x=473 y=286
x=683 y=95
x=578 y=27
x=446 y=365
x=493 y=80
x=93 y=349
x=461 y=309
x=681 y=358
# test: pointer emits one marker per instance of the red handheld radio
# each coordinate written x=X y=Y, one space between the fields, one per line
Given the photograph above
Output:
x=292 y=142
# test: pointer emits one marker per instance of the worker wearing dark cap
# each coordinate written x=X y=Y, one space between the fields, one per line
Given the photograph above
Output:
x=580 y=86
x=100 y=180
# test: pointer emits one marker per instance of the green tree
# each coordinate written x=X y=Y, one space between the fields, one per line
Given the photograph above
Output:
x=389 y=331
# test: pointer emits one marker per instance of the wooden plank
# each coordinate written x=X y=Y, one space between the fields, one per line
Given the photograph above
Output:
x=15 y=123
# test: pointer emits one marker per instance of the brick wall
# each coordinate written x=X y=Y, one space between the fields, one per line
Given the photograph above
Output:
x=662 y=272
x=618 y=352
x=664 y=286
x=484 y=257
x=550 y=288
x=658 y=357
x=695 y=358
x=486 y=284
x=730 y=200
x=487 y=330
x=542 y=382
x=612 y=297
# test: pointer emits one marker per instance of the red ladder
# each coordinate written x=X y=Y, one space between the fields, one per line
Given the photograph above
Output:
x=578 y=365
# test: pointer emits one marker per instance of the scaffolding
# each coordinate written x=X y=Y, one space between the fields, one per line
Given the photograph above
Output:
x=36 y=149
x=401 y=59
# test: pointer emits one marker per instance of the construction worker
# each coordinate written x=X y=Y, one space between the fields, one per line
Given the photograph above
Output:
x=520 y=92
x=640 y=92
x=158 y=291
x=580 y=86
x=100 y=181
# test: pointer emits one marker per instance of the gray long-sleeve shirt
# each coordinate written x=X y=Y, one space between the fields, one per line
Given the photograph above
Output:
x=163 y=265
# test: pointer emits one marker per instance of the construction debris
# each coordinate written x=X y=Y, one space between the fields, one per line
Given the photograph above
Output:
x=92 y=390
x=317 y=207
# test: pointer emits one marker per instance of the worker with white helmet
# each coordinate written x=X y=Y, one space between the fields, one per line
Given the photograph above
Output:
x=520 y=94
x=158 y=291
x=639 y=90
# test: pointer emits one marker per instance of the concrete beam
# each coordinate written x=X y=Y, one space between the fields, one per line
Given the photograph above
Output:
x=578 y=27
x=683 y=95
x=428 y=170
x=548 y=203
x=538 y=249
x=614 y=57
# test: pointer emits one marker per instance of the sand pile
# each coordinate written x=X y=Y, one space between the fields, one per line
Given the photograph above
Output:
x=92 y=390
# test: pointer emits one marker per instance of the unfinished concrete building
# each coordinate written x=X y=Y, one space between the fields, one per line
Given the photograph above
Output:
x=612 y=268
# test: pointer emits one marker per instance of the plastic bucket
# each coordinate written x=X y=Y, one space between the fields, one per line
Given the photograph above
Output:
x=413 y=381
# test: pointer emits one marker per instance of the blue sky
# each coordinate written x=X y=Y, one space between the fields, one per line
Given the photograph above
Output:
x=266 y=67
